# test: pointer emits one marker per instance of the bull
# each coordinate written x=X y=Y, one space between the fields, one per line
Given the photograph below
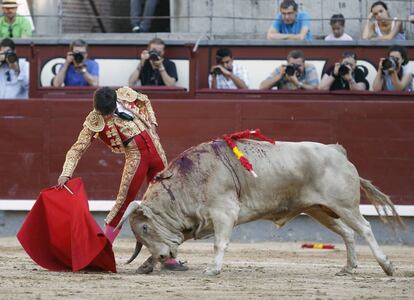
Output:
x=205 y=191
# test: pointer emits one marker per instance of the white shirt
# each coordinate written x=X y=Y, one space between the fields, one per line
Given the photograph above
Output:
x=344 y=37
x=13 y=86
x=224 y=83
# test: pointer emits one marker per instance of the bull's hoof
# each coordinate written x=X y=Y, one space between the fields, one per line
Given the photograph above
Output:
x=211 y=272
x=345 y=271
x=388 y=268
x=147 y=267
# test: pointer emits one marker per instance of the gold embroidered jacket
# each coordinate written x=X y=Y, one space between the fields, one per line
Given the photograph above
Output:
x=113 y=130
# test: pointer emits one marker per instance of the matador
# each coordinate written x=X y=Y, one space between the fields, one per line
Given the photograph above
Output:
x=125 y=121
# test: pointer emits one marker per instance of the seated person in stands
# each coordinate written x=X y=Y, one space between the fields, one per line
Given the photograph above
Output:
x=338 y=29
x=411 y=17
x=381 y=26
x=392 y=73
x=345 y=75
x=77 y=70
x=154 y=68
x=226 y=74
x=297 y=74
x=290 y=24
x=14 y=74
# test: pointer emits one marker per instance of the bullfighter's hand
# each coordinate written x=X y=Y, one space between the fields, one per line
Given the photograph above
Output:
x=61 y=181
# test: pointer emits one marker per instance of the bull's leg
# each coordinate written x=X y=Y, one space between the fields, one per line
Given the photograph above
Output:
x=223 y=222
x=347 y=234
x=357 y=222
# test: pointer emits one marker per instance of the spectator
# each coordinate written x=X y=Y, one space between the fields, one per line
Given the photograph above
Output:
x=154 y=68
x=290 y=24
x=345 y=75
x=392 y=75
x=338 y=29
x=226 y=74
x=411 y=18
x=14 y=74
x=11 y=24
x=142 y=23
x=295 y=75
x=380 y=25
x=77 y=70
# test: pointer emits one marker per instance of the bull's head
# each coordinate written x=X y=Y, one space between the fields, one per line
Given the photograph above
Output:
x=150 y=231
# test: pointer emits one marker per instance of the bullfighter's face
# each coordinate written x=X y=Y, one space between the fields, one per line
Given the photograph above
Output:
x=149 y=233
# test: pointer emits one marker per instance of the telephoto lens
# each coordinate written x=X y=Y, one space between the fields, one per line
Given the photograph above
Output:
x=290 y=70
x=343 y=70
x=389 y=63
x=78 y=57
x=154 y=55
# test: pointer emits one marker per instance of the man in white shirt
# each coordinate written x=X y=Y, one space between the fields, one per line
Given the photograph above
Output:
x=14 y=73
x=226 y=74
x=338 y=29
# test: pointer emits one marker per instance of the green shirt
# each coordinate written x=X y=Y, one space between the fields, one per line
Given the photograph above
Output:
x=20 y=27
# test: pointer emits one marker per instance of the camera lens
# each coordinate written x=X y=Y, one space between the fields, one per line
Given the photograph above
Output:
x=154 y=55
x=217 y=71
x=11 y=57
x=290 y=70
x=78 y=57
x=389 y=63
x=343 y=70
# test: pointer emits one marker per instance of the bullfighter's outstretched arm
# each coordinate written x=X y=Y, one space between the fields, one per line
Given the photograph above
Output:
x=76 y=151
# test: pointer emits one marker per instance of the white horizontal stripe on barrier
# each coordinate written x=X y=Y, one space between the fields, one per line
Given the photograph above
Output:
x=106 y=205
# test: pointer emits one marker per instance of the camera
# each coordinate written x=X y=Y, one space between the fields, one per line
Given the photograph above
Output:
x=343 y=70
x=78 y=57
x=292 y=69
x=217 y=71
x=11 y=57
x=389 y=63
x=154 y=55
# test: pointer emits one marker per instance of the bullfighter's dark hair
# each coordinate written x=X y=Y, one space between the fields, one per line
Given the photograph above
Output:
x=104 y=100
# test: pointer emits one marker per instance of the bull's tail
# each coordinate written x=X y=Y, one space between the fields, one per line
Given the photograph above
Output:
x=382 y=203
x=131 y=208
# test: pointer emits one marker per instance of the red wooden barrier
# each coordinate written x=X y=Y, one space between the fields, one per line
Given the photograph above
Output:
x=376 y=129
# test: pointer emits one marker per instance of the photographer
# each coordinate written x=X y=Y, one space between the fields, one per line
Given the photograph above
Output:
x=225 y=74
x=392 y=75
x=345 y=75
x=295 y=75
x=154 y=68
x=77 y=70
x=14 y=74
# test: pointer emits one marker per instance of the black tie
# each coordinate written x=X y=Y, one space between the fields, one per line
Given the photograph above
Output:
x=10 y=31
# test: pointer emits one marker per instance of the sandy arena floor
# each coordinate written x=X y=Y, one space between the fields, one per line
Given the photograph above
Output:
x=251 y=271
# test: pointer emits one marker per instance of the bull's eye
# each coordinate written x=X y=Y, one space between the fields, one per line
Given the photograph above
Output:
x=145 y=228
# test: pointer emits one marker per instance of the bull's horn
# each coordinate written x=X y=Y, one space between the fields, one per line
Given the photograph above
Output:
x=138 y=247
x=131 y=208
